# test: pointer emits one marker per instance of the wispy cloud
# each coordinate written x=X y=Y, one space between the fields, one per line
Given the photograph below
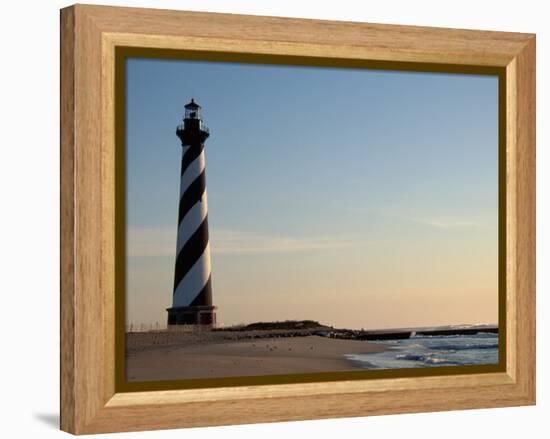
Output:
x=445 y=223
x=151 y=241
x=239 y=242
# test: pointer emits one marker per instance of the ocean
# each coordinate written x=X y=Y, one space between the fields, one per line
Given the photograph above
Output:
x=432 y=351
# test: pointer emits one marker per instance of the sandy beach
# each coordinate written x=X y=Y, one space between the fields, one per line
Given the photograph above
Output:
x=171 y=356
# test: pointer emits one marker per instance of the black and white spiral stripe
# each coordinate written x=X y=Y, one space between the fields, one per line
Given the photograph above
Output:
x=192 y=283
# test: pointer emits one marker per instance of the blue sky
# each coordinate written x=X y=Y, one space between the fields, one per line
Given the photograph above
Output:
x=361 y=185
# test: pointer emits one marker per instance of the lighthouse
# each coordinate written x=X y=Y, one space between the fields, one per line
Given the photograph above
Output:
x=192 y=294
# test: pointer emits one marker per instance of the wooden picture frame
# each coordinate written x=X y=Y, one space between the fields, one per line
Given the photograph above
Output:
x=91 y=400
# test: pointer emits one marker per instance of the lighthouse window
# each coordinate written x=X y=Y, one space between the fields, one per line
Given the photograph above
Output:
x=192 y=113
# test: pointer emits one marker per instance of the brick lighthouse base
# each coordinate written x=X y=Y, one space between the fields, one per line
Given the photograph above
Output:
x=192 y=315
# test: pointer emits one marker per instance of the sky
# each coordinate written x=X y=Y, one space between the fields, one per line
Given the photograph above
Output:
x=359 y=198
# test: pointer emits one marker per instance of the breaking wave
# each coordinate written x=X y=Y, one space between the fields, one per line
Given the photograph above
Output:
x=432 y=351
x=429 y=358
x=464 y=347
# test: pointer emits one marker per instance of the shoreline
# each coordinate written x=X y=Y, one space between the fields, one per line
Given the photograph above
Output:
x=280 y=348
x=172 y=356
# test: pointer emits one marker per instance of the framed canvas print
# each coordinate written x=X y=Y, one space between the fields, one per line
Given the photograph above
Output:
x=268 y=219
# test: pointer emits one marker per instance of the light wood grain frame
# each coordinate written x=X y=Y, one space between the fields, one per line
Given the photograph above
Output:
x=89 y=36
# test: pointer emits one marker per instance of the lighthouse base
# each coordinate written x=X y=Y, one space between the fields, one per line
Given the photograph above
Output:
x=192 y=315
